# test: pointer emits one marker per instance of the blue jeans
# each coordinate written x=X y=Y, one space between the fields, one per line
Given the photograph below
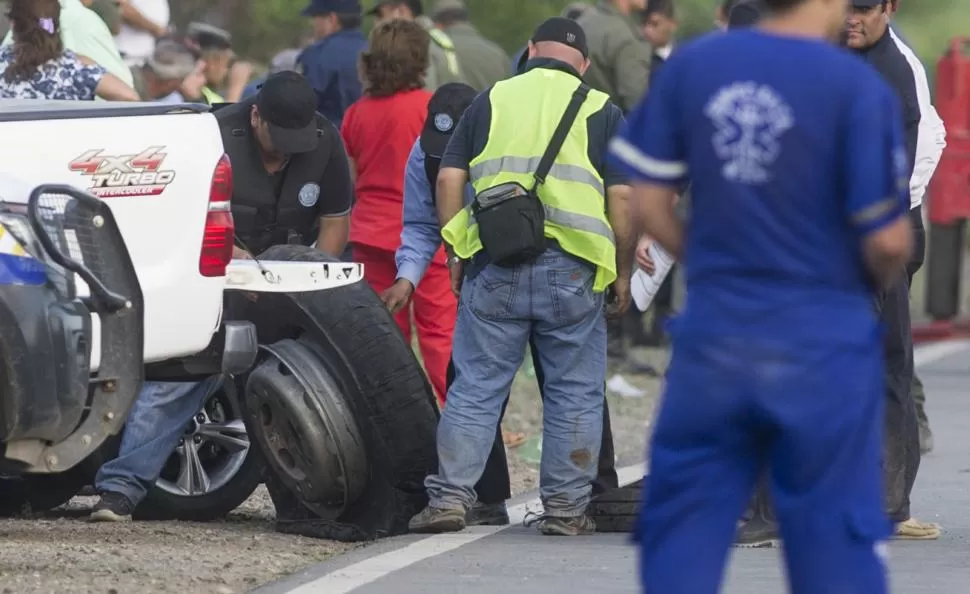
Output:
x=552 y=302
x=159 y=417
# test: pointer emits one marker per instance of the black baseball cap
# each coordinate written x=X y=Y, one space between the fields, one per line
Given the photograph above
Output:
x=288 y=104
x=867 y=3
x=562 y=30
x=445 y=108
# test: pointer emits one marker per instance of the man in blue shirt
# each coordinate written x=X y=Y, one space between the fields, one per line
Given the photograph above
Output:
x=799 y=219
x=330 y=64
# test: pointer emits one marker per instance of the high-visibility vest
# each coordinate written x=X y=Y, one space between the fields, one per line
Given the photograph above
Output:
x=441 y=39
x=526 y=110
x=211 y=96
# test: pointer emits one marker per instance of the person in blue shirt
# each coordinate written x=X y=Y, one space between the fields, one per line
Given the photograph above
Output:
x=330 y=64
x=798 y=226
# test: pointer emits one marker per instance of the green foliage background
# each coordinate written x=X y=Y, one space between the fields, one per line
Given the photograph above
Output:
x=262 y=27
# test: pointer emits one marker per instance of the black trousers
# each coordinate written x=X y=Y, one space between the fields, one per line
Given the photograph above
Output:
x=494 y=486
x=901 y=455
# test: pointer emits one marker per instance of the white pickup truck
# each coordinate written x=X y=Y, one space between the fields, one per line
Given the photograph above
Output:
x=334 y=379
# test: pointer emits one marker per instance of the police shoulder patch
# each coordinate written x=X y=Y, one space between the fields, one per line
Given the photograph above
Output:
x=443 y=122
x=309 y=194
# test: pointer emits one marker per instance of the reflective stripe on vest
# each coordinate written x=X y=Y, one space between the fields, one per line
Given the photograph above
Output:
x=441 y=39
x=573 y=193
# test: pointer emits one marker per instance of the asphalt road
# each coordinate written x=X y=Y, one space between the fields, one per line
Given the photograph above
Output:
x=517 y=559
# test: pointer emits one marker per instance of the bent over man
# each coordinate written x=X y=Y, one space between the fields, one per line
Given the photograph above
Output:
x=777 y=360
x=283 y=152
x=532 y=256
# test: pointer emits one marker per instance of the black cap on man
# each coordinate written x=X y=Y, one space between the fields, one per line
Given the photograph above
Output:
x=285 y=114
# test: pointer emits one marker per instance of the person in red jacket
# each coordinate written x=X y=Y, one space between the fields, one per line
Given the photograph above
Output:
x=379 y=131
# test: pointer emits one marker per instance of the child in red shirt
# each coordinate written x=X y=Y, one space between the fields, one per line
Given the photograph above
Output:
x=379 y=131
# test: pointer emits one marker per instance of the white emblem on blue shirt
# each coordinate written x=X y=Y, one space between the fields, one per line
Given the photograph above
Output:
x=749 y=118
x=309 y=194
x=443 y=122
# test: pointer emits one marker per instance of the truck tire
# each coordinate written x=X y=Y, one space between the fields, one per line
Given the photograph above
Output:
x=377 y=380
x=617 y=510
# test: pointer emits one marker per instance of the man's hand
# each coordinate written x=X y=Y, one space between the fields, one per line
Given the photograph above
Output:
x=457 y=269
x=397 y=295
x=644 y=261
x=621 y=298
x=240 y=254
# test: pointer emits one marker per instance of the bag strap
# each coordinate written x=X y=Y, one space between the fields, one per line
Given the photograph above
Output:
x=559 y=136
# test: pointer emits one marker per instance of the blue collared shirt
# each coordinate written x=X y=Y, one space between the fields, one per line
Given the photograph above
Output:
x=421 y=235
x=330 y=65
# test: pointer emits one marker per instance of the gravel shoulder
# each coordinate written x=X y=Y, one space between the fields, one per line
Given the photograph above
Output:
x=62 y=553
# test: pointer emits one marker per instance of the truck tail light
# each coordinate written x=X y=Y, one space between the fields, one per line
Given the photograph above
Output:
x=217 y=239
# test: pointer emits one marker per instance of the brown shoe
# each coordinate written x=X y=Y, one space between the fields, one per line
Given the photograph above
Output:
x=434 y=520
x=913 y=529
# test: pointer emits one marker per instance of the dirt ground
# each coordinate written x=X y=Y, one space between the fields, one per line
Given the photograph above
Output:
x=64 y=554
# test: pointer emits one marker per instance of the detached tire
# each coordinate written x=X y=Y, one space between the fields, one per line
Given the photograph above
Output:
x=617 y=510
x=367 y=365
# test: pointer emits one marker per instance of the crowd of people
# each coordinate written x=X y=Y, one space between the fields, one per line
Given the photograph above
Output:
x=83 y=49
x=547 y=201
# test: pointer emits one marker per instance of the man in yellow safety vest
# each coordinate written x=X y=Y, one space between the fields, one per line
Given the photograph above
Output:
x=532 y=256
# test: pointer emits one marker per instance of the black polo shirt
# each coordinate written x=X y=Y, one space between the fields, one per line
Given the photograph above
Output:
x=320 y=179
x=471 y=134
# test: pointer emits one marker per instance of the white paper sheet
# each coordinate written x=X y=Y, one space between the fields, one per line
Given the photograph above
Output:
x=643 y=286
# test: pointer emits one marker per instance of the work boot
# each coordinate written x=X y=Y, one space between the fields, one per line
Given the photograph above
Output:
x=913 y=529
x=575 y=526
x=761 y=530
x=487 y=514
x=434 y=520
x=112 y=507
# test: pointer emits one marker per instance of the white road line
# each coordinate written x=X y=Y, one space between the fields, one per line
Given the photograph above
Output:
x=369 y=570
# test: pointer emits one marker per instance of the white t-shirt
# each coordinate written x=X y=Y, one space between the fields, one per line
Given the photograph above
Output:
x=136 y=45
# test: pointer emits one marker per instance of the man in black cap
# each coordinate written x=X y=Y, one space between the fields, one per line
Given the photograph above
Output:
x=284 y=155
x=292 y=177
x=545 y=281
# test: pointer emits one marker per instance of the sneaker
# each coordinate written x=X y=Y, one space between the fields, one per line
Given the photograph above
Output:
x=112 y=507
x=433 y=520
x=913 y=529
x=757 y=533
x=575 y=526
x=487 y=514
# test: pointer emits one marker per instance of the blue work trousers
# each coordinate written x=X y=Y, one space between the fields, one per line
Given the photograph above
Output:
x=158 y=419
x=550 y=301
x=811 y=417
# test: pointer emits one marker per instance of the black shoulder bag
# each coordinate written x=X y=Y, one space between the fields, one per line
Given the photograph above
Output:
x=511 y=219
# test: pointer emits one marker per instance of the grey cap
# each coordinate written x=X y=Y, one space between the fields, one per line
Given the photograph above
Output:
x=285 y=60
x=208 y=36
x=171 y=60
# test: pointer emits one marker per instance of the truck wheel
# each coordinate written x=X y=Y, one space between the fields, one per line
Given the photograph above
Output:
x=213 y=471
x=358 y=454
x=617 y=510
